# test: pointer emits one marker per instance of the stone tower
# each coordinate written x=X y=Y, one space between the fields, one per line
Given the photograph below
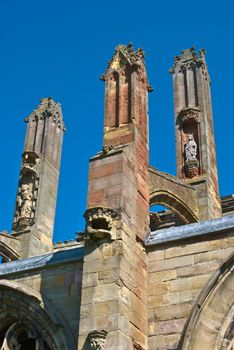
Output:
x=38 y=182
x=195 y=144
x=117 y=216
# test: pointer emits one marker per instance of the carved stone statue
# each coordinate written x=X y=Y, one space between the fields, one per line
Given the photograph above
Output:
x=25 y=201
x=191 y=162
x=27 y=191
x=190 y=148
x=97 y=339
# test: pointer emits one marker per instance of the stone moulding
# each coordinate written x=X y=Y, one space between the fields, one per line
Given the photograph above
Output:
x=97 y=339
x=101 y=223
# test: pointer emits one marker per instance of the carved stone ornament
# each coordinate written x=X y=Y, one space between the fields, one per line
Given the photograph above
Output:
x=191 y=168
x=27 y=192
x=189 y=115
x=101 y=223
x=187 y=60
x=97 y=339
x=125 y=55
x=48 y=109
x=30 y=162
x=107 y=149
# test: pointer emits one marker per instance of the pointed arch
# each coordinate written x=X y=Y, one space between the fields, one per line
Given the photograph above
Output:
x=21 y=305
x=211 y=323
x=173 y=193
x=173 y=202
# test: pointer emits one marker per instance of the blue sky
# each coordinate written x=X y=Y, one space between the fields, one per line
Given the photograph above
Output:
x=60 y=48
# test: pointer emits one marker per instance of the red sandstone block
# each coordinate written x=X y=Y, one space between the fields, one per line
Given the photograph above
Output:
x=105 y=170
x=126 y=139
x=98 y=172
x=96 y=198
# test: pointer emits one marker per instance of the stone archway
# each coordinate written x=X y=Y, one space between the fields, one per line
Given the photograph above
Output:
x=211 y=324
x=169 y=191
x=173 y=202
x=26 y=318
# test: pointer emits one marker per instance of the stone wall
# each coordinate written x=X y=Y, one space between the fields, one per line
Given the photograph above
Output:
x=177 y=273
x=58 y=283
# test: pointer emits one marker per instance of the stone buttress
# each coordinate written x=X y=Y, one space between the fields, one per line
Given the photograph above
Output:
x=195 y=144
x=114 y=307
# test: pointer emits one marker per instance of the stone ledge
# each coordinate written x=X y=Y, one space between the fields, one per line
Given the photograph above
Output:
x=198 y=229
x=46 y=260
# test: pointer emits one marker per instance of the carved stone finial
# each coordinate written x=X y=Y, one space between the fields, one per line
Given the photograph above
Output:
x=97 y=339
x=107 y=149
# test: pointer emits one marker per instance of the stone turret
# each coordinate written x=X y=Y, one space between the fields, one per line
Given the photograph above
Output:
x=195 y=144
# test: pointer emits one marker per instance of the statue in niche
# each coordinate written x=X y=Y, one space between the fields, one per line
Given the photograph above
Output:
x=190 y=148
x=25 y=201
x=191 y=166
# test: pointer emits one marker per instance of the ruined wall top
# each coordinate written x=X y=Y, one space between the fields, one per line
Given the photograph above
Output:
x=48 y=108
x=189 y=56
x=125 y=55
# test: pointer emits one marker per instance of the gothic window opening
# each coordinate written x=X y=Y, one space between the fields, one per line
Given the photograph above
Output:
x=20 y=335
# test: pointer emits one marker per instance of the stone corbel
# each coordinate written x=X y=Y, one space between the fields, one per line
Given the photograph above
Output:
x=101 y=223
x=97 y=339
